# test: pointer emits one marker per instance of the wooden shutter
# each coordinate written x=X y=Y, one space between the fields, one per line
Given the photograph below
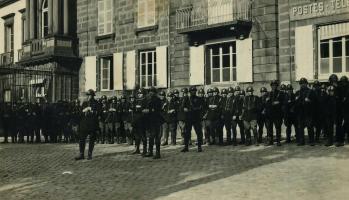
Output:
x=118 y=72
x=150 y=12
x=142 y=13
x=130 y=70
x=108 y=17
x=244 y=71
x=2 y=36
x=197 y=65
x=90 y=73
x=304 y=55
x=101 y=17
x=161 y=66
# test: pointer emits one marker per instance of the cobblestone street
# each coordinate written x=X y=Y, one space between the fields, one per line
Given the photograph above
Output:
x=48 y=171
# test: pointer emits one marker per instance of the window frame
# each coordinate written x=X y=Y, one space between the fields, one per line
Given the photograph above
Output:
x=106 y=20
x=344 y=58
x=44 y=11
x=232 y=55
x=110 y=74
x=146 y=16
x=154 y=68
x=9 y=39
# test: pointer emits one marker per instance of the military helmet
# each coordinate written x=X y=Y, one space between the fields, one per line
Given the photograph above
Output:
x=275 y=82
x=132 y=96
x=282 y=87
x=192 y=89
x=289 y=87
x=263 y=89
x=209 y=90
x=184 y=90
x=333 y=78
x=201 y=91
x=170 y=94
x=162 y=93
x=330 y=88
x=224 y=91
x=153 y=89
x=237 y=88
x=242 y=92
x=316 y=83
x=140 y=91
x=90 y=92
x=175 y=91
x=231 y=90
x=303 y=81
x=323 y=87
x=344 y=79
x=249 y=89
x=215 y=89
x=123 y=96
x=104 y=97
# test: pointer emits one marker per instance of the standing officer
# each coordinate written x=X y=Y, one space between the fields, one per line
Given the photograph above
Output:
x=227 y=112
x=345 y=104
x=250 y=110
x=289 y=112
x=165 y=125
x=154 y=120
x=213 y=116
x=275 y=102
x=88 y=125
x=194 y=120
x=138 y=122
x=341 y=92
x=237 y=112
x=76 y=115
x=304 y=109
x=127 y=111
x=206 y=125
x=182 y=113
x=331 y=114
x=263 y=114
x=322 y=105
x=171 y=116
x=317 y=109
x=102 y=116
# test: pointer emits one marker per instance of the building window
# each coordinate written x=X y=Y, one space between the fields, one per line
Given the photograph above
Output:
x=9 y=38
x=7 y=96
x=222 y=62
x=147 y=70
x=146 y=13
x=44 y=19
x=105 y=17
x=334 y=55
x=107 y=79
x=24 y=30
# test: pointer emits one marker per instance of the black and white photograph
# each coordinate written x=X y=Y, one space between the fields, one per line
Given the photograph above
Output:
x=174 y=99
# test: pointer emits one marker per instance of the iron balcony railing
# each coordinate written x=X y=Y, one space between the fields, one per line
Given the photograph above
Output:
x=212 y=12
x=6 y=58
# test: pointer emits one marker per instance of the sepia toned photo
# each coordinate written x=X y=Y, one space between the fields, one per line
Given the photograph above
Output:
x=174 y=99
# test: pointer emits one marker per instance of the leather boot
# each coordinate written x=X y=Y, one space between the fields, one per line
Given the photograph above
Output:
x=82 y=151
x=157 y=154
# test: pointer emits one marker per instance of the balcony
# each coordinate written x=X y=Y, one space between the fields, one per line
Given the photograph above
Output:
x=58 y=46
x=6 y=59
x=209 y=14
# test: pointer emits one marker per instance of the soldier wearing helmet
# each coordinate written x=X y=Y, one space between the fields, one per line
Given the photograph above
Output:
x=209 y=92
x=127 y=107
x=250 y=109
x=171 y=116
x=165 y=125
x=88 y=125
x=237 y=116
x=289 y=112
x=331 y=115
x=102 y=116
x=227 y=111
x=341 y=92
x=194 y=120
x=183 y=111
x=283 y=88
x=213 y=115
x=263 y=114
x=317 y=110
x=304 y=105
x=275 y=105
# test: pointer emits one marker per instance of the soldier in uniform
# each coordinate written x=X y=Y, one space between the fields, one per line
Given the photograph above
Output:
x=119 y=133
x=263 y=114
x=321 y=104
x=127 y=106
x=275 y=103
x=205 y=120
x=171 y=116
x=88 y=125
x=182 y=113
x=7 y=115
x=111 y=120
x=154 y=120
x=194 y=120
x=341 y=90
x=227 y=109
x=250 y=110
x=316 y=115
x=304 y=108
x=289 y=112
x=36 y=115
x=138 y=122
x=76 y=115
x=345 y=104
x=102 y=116
x=237 y=112
x=165 y=125
x=213 y=115
x=201 y=95
x=331 y=114
x=28 y=122
x=20 y=121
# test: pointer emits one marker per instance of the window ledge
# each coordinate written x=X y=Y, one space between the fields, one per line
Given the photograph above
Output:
x=147 y=28
x=103 y=37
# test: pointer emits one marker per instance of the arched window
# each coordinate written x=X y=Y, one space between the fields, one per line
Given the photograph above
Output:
x=44 y=19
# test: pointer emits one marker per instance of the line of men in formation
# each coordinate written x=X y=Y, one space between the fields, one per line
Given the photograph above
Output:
x=146 y=118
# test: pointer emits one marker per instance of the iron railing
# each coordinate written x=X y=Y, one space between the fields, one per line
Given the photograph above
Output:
x=211 y=12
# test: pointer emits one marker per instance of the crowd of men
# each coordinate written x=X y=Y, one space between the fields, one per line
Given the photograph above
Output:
x=148 y=117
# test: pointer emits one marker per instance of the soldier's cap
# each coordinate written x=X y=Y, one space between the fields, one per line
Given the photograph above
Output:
x=333 y=78
x=249 y=89
x=343 y=79
x=90 y=92
x=289 y=87
x=184 y=90
x=175 y=91
x=224 y=91
x=303 y=81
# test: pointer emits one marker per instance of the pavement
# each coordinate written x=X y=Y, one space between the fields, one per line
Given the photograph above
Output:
x=49 y=171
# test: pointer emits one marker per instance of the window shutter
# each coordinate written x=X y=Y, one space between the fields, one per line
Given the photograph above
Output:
x=304 y=55
x=118 y=72
x=150 y=12
x=101 y=16
x=161 y=66
x=197 y=65
x=130 y=70
x=2 y=35
x=141 y=13
x=90 y=73
x=244 y=71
